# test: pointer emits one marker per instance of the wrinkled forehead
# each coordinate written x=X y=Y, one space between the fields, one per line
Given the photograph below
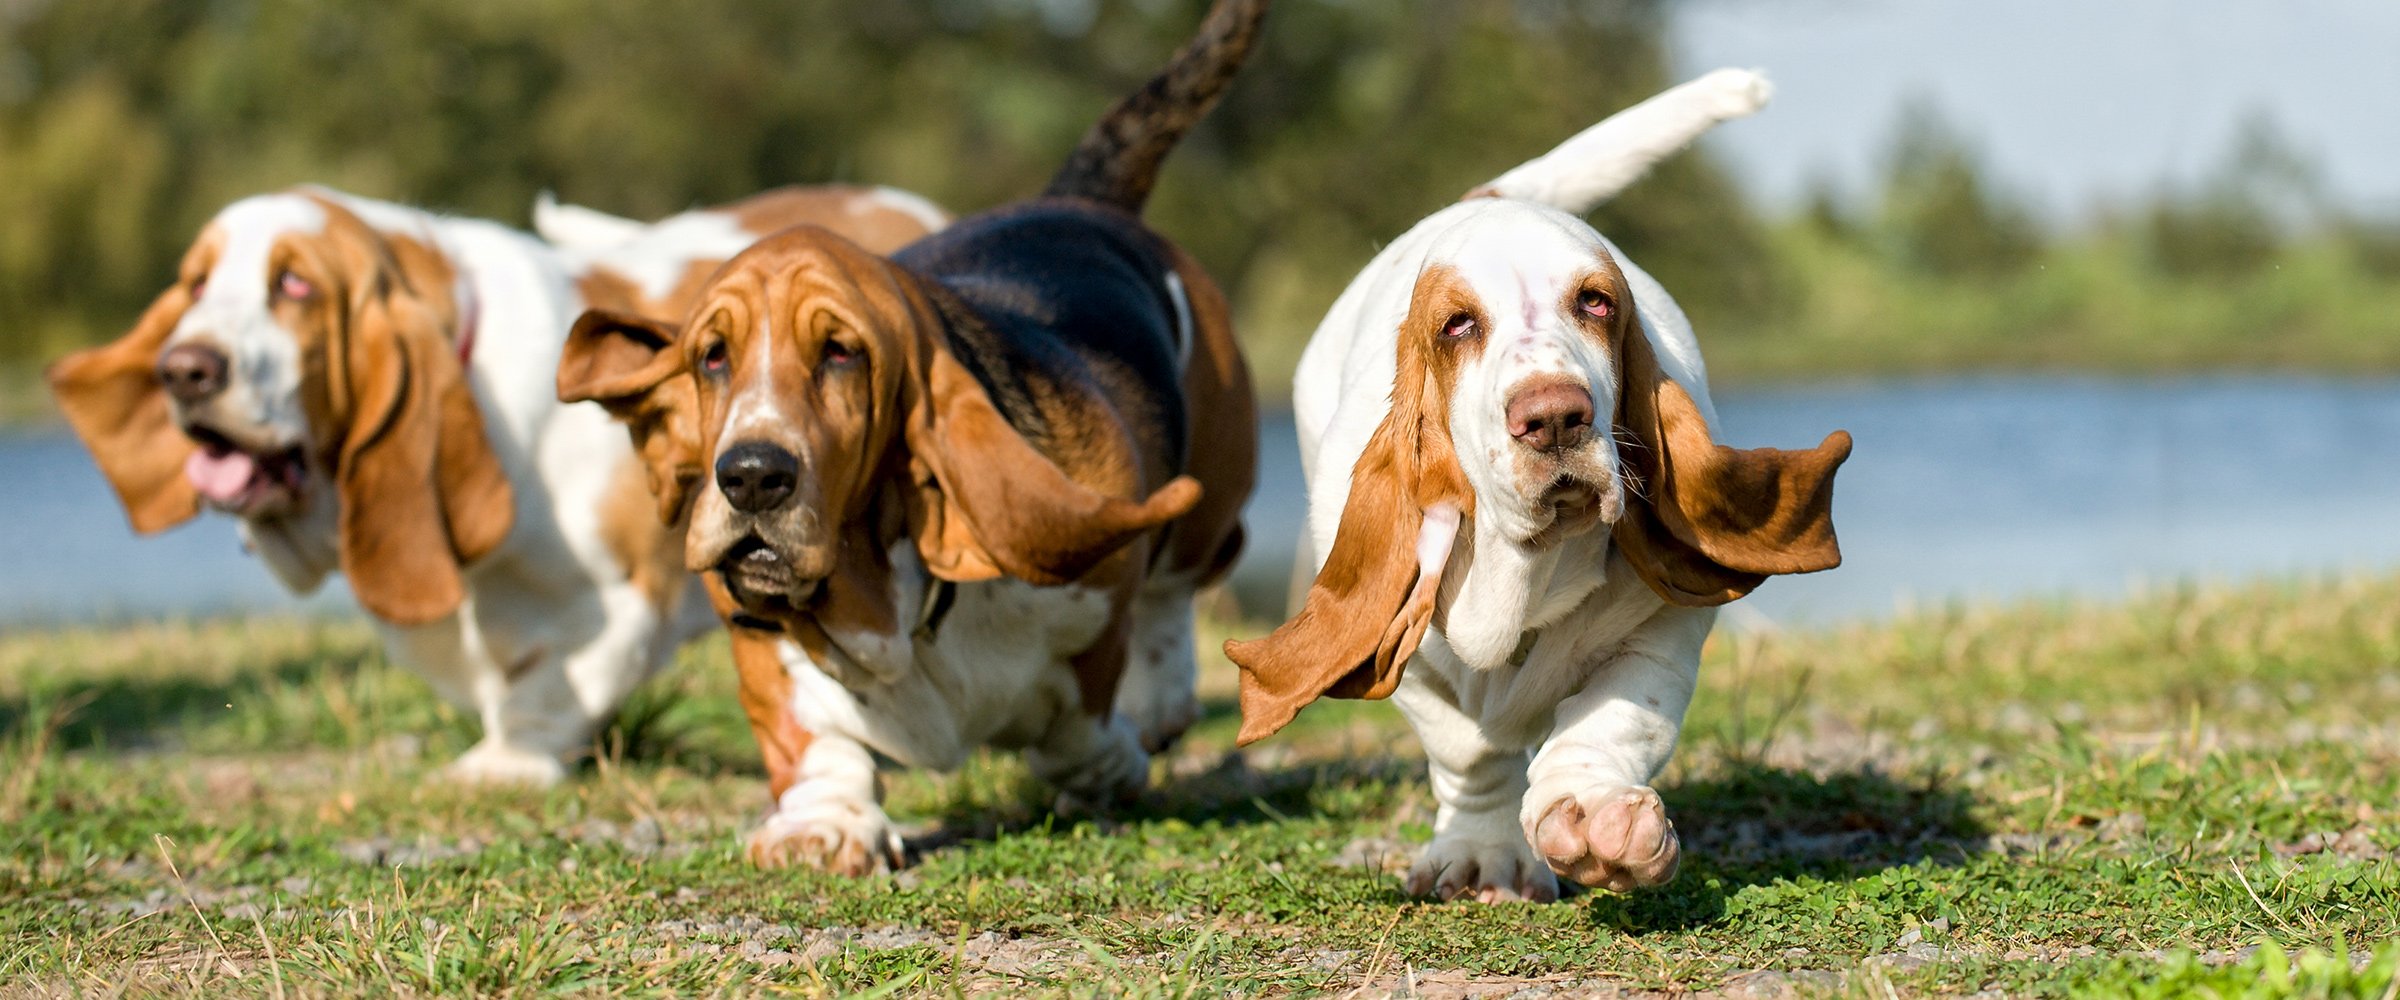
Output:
x=1517 y=256
x=782 y=279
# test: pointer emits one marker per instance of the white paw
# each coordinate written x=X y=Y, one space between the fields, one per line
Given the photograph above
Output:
x=830 y=833
x=1488 y=864
x=1615 y=838
x=501 y=764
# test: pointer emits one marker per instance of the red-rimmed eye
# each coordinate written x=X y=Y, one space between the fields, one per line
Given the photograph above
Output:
x=1594 y=303
x=712 y=360
x=293 y=287
x=1459 y=326
x=199 y=286
x=838 y=353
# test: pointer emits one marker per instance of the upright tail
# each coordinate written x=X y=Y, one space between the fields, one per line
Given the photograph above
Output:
x=1118 y=159
x=1607 y=158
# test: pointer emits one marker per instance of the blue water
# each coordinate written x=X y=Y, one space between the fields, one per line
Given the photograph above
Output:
x=1960 y=490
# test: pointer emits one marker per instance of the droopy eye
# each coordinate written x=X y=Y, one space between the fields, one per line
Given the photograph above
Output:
x=839 y=354
x=1460 y=325
x=199 y=286
x=712 y=360
x=1594 y=303
x=294 y=287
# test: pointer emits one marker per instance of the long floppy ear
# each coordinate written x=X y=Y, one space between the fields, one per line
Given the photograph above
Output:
x=984 y=502
x=1374 y=597
x=629 y=365
x=422 y=492
x=112 y=398
x=1710 y=523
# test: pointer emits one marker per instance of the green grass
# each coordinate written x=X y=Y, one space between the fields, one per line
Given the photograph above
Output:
x=2196 y=793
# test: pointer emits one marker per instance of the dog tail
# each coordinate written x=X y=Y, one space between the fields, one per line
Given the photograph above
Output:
x=574 y=227
x=1607 y=158
x=1118 y=159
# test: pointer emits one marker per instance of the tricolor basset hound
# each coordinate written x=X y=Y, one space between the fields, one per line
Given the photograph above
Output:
x=1529 y=584
x=961 y=496
x=368 y=388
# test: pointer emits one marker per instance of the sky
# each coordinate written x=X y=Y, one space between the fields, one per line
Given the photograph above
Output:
x=2070 y=102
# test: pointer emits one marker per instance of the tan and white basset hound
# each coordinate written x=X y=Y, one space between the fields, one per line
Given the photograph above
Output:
x=1530 y=584
x=367 y=387
x=961 y=496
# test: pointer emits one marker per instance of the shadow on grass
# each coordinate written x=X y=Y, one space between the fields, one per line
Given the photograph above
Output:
x=1229 y=792
x=126 y=713
x=1749 y=824
x=1742 y=824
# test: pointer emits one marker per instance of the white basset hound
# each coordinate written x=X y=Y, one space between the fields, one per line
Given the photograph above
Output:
x=1546 y=578
x=368 y=388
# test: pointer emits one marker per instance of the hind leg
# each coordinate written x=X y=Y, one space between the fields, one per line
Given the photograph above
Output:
x=828 y=814
x=1094 y=761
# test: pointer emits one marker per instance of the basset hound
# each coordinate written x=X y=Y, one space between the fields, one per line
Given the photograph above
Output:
x=367 y=387
x=961 y=496
x=1530 y=585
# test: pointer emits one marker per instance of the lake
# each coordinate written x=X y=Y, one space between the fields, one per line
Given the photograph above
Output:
x=1973 y=490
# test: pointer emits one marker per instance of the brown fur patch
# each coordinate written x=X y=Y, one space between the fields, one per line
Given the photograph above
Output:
x=1370 y=605
x=650 y=552
x=1223 y=417
x=766 y=696
x=111 y=397
x=421 y=492
x=860 y=213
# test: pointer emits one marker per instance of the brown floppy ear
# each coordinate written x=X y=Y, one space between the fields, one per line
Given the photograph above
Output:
x=629 y=365
x=1710 y=523
x=1374 y=598
x=422 y=492
x=112 y=398
x=984 y=502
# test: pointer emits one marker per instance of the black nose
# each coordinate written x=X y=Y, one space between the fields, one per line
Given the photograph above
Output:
x=757 y=476
x=1551 y=417
x=192 y=372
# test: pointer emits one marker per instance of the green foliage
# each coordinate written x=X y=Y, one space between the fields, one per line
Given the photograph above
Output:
x=2217 y=235
x=129 y=122
x=125 y=124
x=2271 y=973
x=1939 y=216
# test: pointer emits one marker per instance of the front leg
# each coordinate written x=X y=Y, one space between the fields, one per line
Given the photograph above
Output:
x=1477 y=850
x=827 y=813
x=1590 y=809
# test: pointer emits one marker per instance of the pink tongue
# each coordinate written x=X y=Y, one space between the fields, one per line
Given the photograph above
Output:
x=220 y=477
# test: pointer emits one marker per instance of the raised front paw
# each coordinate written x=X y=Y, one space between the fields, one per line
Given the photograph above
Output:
x=845 y=838
x=1483 y=868
x=1609 y=838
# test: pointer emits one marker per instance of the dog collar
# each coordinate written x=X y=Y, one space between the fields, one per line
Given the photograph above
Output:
x=470 y=309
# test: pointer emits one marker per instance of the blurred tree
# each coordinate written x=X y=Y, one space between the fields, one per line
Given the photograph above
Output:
x=1939 y=216
x=124 y=124
x=1824 y=211
x=2234 y=224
